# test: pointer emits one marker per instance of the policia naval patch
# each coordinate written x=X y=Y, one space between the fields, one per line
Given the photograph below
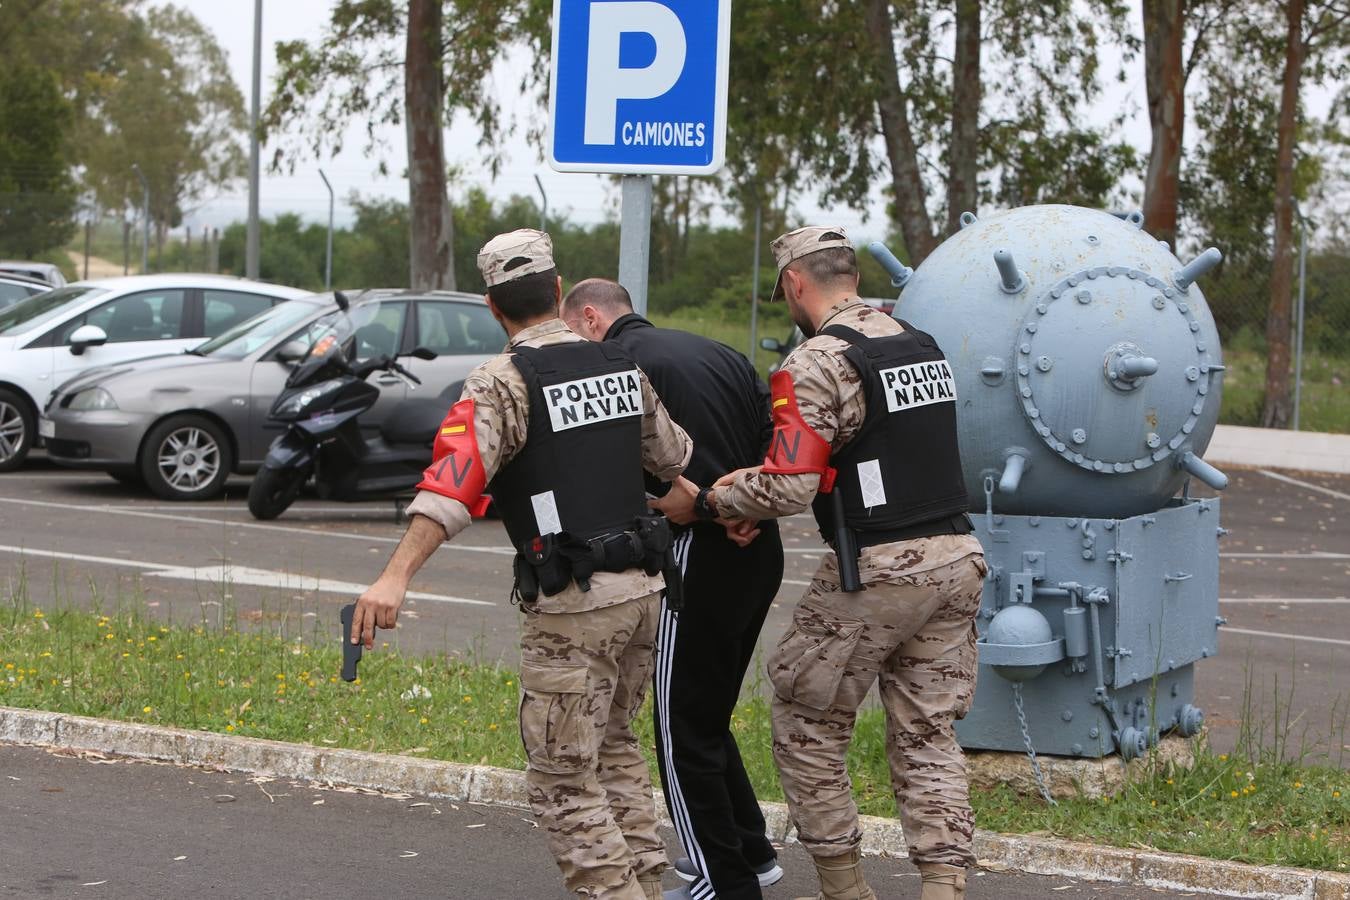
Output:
x=599 y=398
x=918 y=384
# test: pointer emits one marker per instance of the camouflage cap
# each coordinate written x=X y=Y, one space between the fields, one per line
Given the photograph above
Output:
x=803 y=242
x=515 y=254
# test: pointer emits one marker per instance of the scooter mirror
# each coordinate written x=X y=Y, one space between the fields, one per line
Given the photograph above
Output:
x=424 y=353
x=291 y=351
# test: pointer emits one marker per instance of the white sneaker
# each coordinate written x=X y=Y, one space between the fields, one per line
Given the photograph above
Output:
x=768 y=873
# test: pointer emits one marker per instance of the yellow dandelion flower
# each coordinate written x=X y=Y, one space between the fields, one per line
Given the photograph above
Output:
x=1233 y=794
x=492 y=727
x=1169 y=781
x=44 y=654
x=9 y=665
x=1336 y=794
x=424 y=720
x=109 y=636
x=147 y=709
x=1223 y=757
x=37 y=614
x=1298 y=785
x=125 y=655
x=152 y=639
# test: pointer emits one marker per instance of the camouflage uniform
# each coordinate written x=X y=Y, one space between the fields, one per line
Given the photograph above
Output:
x=586 y=658
x=911 y=627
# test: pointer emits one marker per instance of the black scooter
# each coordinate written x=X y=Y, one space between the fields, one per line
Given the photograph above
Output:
x=323 y=399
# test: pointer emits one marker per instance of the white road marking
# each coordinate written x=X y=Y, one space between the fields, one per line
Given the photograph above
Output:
x=1293 y=637
x=227 y=574
x=1316 y=554
x=258 y=526
x=82 y=557
x=1281 y=601
x=1339 y=495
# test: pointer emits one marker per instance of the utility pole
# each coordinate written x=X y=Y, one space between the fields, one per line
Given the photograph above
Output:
x=1302 y=293
x=754 y=297
x=543 y=211
x=328 y=263
x=252 y=249
x=145 y=219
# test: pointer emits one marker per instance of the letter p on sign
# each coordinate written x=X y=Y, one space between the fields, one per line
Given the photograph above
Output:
x=607 y=82
x=639 y=86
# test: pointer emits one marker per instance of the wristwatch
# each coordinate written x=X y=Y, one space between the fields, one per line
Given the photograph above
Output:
x=703 y=508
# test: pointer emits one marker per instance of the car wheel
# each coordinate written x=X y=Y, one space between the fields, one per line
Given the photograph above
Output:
x=18 y=425
x=186 y=458
x=273 y=491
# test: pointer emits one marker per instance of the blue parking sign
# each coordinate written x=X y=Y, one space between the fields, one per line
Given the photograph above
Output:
x=639 y=86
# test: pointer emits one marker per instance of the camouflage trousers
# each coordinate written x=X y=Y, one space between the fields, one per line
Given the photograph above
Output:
x=583 y=677
x=915 y=634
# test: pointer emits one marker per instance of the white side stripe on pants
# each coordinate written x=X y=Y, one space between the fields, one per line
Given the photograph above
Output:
x=702 y=888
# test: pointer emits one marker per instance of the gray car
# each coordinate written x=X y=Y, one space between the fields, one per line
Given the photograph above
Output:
x=47 y=272
x=181 y=424
x=14 y=288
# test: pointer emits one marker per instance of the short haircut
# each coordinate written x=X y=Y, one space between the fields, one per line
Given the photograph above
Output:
x=608 y=296
x=828 y=267
x=526 y=298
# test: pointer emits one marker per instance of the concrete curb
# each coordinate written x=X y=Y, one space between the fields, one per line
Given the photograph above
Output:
x=485 y=784
x=1273 y=448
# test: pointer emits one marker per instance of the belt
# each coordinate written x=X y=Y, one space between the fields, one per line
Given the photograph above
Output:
x=957 y=524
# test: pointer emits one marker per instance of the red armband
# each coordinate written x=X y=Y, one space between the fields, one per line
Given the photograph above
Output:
x=457 y=470
x=796 y=449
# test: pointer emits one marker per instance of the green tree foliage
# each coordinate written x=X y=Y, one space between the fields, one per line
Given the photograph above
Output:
x=139 y=84
x=37 y=193
x=175 y=111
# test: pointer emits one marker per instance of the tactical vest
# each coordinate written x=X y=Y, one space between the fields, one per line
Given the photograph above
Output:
x=902 y=470
x=580 y=470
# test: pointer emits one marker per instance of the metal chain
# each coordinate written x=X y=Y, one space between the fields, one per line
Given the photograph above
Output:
x=1026 y=739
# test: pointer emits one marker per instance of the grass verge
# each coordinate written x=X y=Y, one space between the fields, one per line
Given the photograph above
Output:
x=273 y=683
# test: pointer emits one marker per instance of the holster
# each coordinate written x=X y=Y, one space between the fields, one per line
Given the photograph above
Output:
x=526 y=587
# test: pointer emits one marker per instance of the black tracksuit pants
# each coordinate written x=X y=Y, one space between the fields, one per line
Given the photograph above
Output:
x=702 y=654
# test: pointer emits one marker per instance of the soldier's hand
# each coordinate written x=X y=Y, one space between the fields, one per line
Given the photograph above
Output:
x=741 y=532
x=732 y=476
x=678 y=503
x=377 y=608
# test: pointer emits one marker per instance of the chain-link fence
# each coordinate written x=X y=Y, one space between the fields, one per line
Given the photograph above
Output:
x=1240 y=300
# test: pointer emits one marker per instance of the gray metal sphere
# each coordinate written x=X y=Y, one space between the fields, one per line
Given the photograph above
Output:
x=1019 y=625
x=1088 y=366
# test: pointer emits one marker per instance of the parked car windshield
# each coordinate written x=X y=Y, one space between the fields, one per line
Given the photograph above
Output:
x=40 y=309
x=255 y=333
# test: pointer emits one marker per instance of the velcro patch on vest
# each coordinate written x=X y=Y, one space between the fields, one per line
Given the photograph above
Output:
x=600 y=398
x=918 y=384
x=546 y=517
x=870 y=482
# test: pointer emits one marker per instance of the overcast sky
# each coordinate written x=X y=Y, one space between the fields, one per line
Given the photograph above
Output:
x=587 y=198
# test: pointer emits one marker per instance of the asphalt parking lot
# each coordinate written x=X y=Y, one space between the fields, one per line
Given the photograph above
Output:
x=1285 y=584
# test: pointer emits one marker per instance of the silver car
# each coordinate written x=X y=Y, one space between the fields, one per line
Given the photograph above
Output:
x=14 y=288
x=181 y=424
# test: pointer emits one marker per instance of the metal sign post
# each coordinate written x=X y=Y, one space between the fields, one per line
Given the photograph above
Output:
x=639 y=89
